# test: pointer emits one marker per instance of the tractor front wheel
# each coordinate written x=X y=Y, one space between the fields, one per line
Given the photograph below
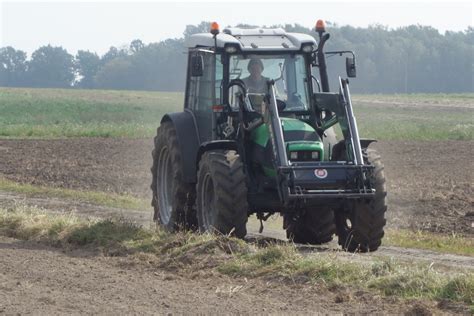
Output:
x=313 y=227
x=222 y=194
x=360 y=225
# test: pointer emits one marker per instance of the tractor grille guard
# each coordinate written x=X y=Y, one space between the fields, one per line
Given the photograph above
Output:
x=333 y=181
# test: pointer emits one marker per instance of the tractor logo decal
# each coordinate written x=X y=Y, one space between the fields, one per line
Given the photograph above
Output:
x=321 y=173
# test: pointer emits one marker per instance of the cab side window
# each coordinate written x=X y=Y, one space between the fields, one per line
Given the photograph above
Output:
x=206 y=84
x=204 y=92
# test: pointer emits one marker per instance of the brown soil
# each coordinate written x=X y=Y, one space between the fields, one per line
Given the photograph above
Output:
x=430 y=184
x=36 y=279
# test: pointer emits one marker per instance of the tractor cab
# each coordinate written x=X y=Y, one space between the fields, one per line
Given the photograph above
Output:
x=256 y=137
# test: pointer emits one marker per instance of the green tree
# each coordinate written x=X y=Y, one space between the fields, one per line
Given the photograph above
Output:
x=12 y=67
x=203 y=27
x=86 y=65
x=115 y=74
x=136 y=46
x=51 y=67
x=113 y=53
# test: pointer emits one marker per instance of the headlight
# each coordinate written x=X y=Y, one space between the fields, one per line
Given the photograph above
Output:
x=294 y=155
x=230 y=49
x=307 y=48
x=315 y=155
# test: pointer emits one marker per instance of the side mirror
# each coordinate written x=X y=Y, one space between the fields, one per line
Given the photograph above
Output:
x=197 y=66
x=350 y=67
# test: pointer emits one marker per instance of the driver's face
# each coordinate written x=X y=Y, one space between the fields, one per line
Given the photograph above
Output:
x=255 y=70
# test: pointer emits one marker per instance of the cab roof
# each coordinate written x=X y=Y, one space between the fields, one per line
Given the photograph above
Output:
x=252 y=40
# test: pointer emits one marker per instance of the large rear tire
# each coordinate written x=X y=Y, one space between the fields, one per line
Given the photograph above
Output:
x=360 y=225
x=173 y=199
x=313 y=227
x=222 y=194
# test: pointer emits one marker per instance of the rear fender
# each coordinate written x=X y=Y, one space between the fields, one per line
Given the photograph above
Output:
x=365 y=142
x=188 y=141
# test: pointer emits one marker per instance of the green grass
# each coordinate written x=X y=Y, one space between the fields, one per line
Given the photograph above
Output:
x=124 y=201
x=83 y=113
x=385 y=275
x=56 y=113
x=443 y=243
x=454 y=244
x=445 y=99
x=392 y=123
x=188 y=252
x=415 y=116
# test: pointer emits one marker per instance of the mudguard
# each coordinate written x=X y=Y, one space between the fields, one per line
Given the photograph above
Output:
x=188 y=141
x=365 y=142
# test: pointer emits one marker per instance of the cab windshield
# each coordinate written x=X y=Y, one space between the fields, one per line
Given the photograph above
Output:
x=288 y=71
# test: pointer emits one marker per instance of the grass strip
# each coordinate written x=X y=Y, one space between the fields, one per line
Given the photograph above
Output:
x=235 y=257
x=124 y=201
x=443 y=243
x=446 y=243
x=453 y=244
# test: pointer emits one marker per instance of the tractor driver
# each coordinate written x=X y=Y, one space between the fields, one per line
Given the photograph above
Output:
x=256 y=83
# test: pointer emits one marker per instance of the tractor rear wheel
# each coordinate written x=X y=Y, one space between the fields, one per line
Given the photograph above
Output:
x=222 y=193
x=173 y=199
x=313 y=227
x=360 y=225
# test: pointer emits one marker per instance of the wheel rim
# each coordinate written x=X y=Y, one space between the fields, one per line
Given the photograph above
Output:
x=208 y=202
x=164 y=178
x=345 y=225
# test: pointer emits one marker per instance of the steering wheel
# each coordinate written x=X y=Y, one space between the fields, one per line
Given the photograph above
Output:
x=241 y=84
x=238 y=82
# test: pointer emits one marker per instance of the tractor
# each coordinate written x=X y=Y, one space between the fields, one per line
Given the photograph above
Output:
x=256 y=136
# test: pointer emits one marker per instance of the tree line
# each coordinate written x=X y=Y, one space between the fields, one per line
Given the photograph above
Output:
x=404 y=60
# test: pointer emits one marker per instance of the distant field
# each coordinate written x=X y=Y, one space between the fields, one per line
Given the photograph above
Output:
x=57 y=113
x=83 y=113
x=416 y=116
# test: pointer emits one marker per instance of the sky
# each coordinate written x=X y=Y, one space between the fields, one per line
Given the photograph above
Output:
x=97 y=25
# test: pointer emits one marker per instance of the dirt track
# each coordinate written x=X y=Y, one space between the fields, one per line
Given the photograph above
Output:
x=430 y=184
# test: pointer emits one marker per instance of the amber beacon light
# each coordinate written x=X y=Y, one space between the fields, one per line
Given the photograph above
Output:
x=214 y=28
x=320 y=26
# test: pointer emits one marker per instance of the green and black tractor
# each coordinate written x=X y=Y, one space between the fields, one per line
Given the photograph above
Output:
x=256 y=137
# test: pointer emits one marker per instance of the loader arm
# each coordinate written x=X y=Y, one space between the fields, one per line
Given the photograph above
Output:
x=323 y=179
x=273 y=122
